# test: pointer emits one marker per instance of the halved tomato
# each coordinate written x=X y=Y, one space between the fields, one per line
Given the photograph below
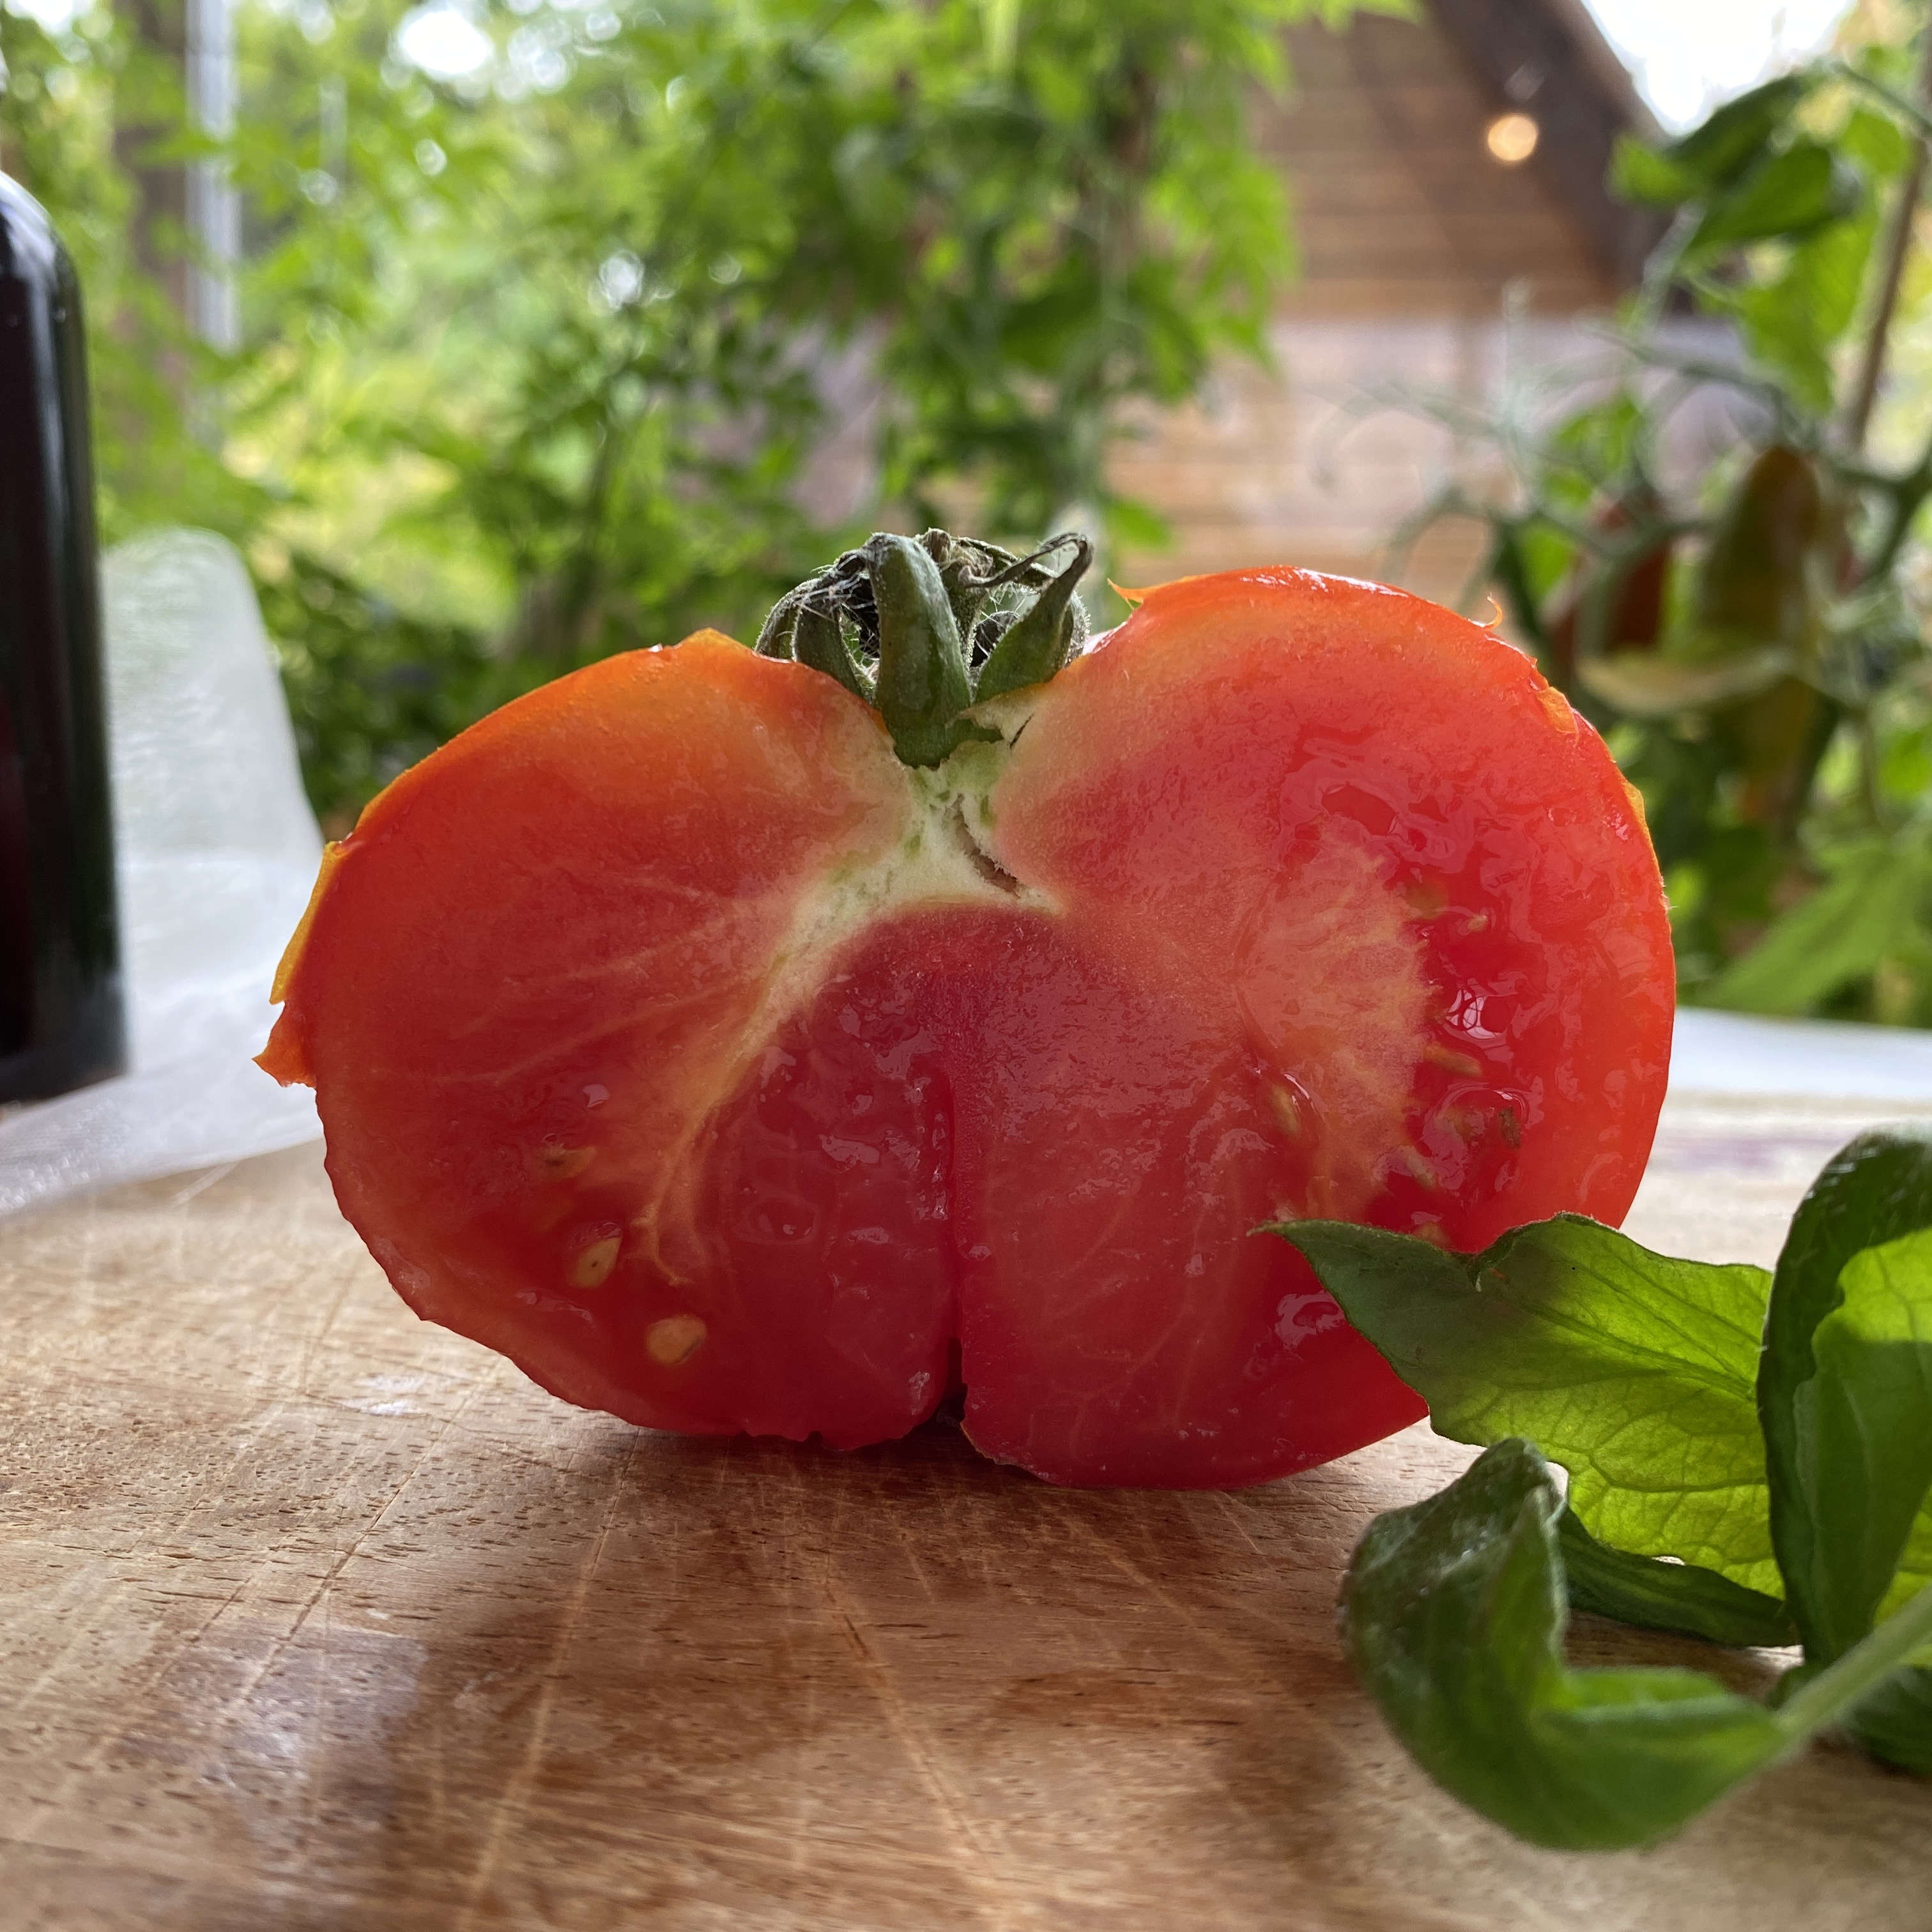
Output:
x=675 y=1036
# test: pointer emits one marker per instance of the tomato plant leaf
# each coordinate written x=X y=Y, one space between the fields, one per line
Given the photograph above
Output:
x=1876 y=142
x=1864 y=1423
x=1453 y=1616
x=1894 y=1723
x=1656 y=1595
x=1845 y=1395
x=1872 y=1193
x=1790 y=324
x=1870 y=1409
x=1634 y=1371
x=1857 y=918
x=1722 y=149
x=1786 y=196
x=1643 y=175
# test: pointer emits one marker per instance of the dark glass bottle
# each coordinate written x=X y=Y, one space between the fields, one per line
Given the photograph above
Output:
x=60 y=1018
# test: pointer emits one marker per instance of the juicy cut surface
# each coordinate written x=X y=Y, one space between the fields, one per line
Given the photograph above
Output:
x=672 y=1037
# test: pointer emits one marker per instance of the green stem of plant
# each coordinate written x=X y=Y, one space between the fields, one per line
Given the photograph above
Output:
x=1660 y=271
x=1907 y=495
x=1911 y=112
x=1898 y=246
x=1870 y=791
x=1835 y=1690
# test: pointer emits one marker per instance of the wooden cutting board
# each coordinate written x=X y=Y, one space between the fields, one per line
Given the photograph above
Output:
x=314 y=1616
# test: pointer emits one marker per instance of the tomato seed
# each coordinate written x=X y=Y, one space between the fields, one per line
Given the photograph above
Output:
x=675 y=1340
x=592 y=1266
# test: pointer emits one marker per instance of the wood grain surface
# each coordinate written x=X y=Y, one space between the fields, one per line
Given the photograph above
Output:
x=314 y=1616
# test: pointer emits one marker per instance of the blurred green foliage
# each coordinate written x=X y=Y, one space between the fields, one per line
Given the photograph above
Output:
x=1743 y=614
x=629 y=329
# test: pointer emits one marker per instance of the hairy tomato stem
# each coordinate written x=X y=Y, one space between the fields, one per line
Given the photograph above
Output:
x=924 y=628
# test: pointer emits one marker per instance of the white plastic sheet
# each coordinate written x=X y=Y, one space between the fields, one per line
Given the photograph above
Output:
x=1732 y=1054
x=216 y=851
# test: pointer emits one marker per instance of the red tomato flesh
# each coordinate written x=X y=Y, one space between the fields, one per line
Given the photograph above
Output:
x=672 y=1037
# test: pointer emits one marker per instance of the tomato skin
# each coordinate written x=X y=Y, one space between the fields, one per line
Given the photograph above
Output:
x=671 y=1037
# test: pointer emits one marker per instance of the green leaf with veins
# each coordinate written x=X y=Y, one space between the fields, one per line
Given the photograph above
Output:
x=1452 y=1612
x=1634 y=1371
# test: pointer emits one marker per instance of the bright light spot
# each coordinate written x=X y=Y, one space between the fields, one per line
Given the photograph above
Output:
x=1686 y=58
x=444 y=42
x=431 y=158
x=536 y=60
x=54 y=15
x=1511 y=138
x=621 y=279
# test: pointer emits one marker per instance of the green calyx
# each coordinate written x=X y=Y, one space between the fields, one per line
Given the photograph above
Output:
x=924 y=628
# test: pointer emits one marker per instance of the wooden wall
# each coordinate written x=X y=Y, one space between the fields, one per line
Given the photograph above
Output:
x=1410 y=234
x=1400 y=209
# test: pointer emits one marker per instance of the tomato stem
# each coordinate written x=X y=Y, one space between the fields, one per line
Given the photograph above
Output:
x=902 y=622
